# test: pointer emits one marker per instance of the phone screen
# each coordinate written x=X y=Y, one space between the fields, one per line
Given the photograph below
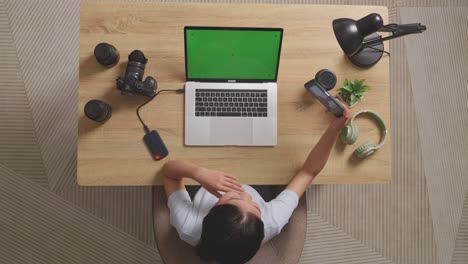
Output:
x=327 y=100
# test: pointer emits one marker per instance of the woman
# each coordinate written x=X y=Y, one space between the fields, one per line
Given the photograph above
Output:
x=227 y=222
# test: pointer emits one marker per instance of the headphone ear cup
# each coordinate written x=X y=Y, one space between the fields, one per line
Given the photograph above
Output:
x=365 y=150
x=349 y=134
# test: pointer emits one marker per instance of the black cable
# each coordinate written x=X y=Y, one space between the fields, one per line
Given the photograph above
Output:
x=386 y=52
x=392 y=27
x=145 y=127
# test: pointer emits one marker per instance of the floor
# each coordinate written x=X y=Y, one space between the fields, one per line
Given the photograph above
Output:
x=421 y=217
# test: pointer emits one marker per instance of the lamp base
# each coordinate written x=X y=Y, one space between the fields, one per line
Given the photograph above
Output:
x=368 y=56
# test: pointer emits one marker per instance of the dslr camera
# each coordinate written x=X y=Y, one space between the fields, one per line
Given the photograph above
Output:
x=132 y=83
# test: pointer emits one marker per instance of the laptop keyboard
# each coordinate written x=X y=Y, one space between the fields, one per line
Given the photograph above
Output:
x=231 y=102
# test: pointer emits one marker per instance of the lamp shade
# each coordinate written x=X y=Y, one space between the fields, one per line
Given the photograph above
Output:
x=350 y=34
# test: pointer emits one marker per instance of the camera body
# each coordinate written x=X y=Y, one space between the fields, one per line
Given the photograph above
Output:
x=132 y=82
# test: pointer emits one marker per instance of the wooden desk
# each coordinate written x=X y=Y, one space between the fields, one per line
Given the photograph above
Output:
x=113 y=153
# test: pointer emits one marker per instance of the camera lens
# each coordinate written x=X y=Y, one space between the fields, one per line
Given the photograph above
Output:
x=326 y=78
x=136 y=65
x=98 y=111
x=106 y=54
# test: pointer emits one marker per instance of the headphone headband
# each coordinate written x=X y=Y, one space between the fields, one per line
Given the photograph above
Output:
x=379 y=120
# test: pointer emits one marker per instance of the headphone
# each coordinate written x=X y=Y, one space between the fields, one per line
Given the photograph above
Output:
x=350 y=133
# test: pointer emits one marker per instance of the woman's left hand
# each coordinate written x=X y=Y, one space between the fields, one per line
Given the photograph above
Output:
x=217 y=181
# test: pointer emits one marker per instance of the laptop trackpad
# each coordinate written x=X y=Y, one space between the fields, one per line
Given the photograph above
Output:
x=231 y=131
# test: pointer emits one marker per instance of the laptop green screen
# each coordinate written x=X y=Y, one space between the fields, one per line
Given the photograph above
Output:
x=241 y=54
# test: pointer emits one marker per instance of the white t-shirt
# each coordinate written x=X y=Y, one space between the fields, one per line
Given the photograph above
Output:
x=187 y=215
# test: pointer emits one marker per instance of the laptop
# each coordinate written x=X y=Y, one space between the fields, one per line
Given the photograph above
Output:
x=230 y=89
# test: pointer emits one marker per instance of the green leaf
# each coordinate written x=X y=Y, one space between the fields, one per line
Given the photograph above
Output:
x=360 y=92
x=346 y=82
x=352 y=98
x=347 y=85
x=358 y=83
x=364 y=88
x=343 y=91
x=348 y=89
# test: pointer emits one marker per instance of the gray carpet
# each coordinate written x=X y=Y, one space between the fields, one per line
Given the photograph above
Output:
x=438 y=65
x=44 y=229
x=50 y=219
x=47 y=47
x=19 y=146
x=460 y=252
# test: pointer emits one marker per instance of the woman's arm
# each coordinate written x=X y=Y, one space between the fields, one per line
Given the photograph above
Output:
x=318 y=157
x=213 y=181
x=174 y=171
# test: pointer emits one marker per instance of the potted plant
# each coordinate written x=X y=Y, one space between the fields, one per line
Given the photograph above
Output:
x=352 y=91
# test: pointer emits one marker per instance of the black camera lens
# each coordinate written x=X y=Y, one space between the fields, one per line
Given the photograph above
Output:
x=106 y=54
x=326 y=78
x=98 y=111
x=136 y=65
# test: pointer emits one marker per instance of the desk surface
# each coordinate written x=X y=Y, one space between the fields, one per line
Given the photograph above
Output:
x=113 y=153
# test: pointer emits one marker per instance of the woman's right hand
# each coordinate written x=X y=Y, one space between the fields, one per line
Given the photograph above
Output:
x=340 y=122
x=217 y=181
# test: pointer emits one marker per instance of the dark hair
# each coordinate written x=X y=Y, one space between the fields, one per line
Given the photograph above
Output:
x=230 y=236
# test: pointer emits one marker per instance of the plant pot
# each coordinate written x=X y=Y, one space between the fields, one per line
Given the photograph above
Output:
x=343 y=100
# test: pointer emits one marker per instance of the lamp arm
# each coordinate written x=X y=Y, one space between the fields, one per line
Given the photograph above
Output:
x=397 y=31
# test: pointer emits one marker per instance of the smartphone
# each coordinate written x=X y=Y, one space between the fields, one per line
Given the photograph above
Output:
x=325 y=98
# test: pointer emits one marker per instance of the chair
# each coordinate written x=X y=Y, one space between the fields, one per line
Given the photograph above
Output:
x=285 y=248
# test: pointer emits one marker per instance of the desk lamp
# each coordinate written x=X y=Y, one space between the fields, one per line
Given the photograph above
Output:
x=360 y=42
